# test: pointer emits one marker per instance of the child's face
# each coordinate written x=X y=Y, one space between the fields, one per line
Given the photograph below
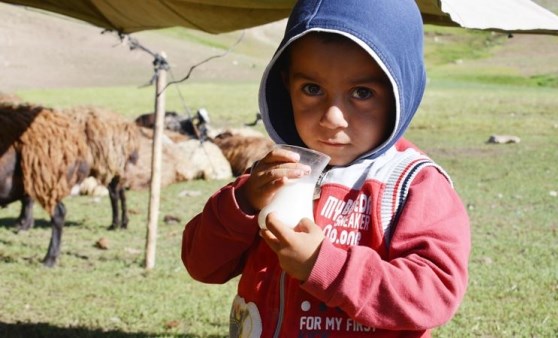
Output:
x=343 y=102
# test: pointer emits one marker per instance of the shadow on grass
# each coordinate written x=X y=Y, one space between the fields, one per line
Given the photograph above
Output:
x=9 y=222
x=45 y=330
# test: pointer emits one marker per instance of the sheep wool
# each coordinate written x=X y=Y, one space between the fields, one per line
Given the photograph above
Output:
x=113 y=141
x=53 y=152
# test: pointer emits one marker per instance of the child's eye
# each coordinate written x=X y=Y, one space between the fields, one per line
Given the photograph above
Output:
x=362 y=93
x=312 y=89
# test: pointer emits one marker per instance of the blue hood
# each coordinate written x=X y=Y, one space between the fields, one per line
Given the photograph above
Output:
x=389 y=30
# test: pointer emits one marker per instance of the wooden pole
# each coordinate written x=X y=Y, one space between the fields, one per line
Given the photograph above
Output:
x=155 y=189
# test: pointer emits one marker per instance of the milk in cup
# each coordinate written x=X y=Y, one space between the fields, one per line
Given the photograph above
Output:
x=295 y=200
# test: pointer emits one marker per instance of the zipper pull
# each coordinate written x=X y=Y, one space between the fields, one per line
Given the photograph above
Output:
x=318 y=186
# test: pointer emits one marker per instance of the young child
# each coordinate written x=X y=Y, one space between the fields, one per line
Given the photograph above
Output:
x=387 y=255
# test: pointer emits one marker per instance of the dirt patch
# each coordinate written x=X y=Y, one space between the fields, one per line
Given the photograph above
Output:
x=527 y=54
x=45 y=50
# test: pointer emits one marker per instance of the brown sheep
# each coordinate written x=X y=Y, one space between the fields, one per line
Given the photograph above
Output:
x=42 y=155
x=242 y=151
x=113 y=142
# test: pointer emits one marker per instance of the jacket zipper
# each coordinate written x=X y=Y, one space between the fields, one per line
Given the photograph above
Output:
x=317 y=187
x=281 y=304
x=317 y=192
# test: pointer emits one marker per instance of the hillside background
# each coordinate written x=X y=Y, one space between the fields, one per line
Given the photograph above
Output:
x=45 y=50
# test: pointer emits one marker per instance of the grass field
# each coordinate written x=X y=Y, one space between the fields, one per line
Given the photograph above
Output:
x=510 y=191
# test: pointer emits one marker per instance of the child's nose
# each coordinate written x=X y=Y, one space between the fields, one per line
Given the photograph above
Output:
x=334 y=118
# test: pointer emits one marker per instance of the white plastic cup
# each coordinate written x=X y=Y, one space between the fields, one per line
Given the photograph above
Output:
x=294 y=201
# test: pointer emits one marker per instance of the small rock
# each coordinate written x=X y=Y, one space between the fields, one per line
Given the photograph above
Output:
x=133 y=251
x=168 y=219
x=102 y=243
x=75 y=190
x=115 y=319
x=502 y=139
x=100 y=191
x=487 y=260
x=189 y=193
x=172 y=324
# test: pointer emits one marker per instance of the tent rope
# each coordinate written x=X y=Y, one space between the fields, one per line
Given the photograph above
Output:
x=225 y=53
x=240 y=38
x=186 y=108
x=160 y=63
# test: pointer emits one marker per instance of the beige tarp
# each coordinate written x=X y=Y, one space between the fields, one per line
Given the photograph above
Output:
x=503 y=15
x=217 y=16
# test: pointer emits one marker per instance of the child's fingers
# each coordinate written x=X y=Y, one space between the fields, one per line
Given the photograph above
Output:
x=270 y=239
x=277 y=175
x=282 y=155
x=306 y=225
x=289 y=170
x=279 y=229
x=272 y=167
x=278 y=156
x=282 y=158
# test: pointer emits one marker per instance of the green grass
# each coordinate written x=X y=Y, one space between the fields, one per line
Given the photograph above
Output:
x=448 y=44
x=228 y=104
x=501 y=78
x=93 y=291
x=513 y=288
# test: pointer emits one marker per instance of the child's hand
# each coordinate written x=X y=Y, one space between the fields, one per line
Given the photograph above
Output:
x=267 y=176
x=297 y=249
